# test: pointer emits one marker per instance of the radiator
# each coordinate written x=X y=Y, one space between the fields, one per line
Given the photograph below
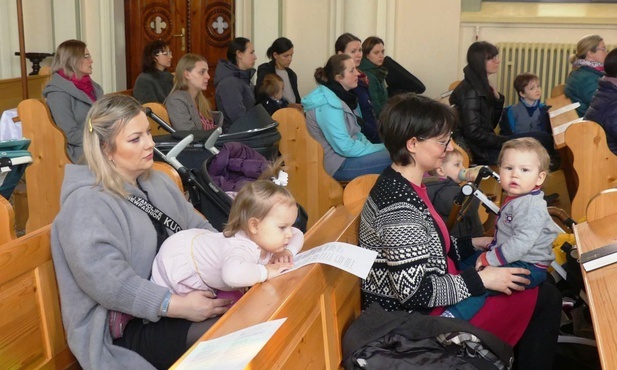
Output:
x=550 y=62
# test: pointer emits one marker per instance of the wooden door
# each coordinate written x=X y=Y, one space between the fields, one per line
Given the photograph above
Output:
x=200 y=26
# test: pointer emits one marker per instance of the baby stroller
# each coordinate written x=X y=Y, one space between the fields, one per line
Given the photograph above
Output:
x=14 y=158
x=255 y=128
x=232 y=166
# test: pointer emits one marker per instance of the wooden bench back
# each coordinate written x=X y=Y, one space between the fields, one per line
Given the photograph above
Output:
x=312 y=187
x=319 y=302
x=7 y=221
x=594 y=164
x=556 y=103
x=602 y=205
x=44 y=176
x=160 y=110
x=558 y=90
x=32 y=334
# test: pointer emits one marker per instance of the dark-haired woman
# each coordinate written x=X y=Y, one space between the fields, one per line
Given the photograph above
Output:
x=373 y=54
x=479 y=104
x=352 y=46
x=331 y=118
x=416 y=269
x=154 y=83
x=235 y=93
x=281 y=54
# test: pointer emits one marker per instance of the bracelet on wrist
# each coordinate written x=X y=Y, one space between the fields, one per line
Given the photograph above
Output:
x=165 y=305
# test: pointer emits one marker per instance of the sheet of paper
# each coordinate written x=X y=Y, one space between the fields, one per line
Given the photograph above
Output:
x=559 y=129
x=347 y=257
x=564 y=109
x=232 y=351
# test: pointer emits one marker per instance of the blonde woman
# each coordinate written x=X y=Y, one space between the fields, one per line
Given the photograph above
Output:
x=587 y=68
x=71 y=92
x=186 y=105
x=104 y=242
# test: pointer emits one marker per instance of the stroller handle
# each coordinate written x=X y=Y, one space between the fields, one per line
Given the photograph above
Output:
x=159 y=120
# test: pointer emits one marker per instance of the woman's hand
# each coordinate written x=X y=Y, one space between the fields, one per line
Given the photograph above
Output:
x=481 y=243
x=284 y=256
x=275 y=269
x=197 y=306
x=504 y=279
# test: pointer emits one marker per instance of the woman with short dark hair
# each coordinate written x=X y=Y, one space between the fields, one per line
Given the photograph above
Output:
x=416 y=269
x=154 y=82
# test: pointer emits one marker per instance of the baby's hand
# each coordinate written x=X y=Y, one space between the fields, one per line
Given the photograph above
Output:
x=479 y=265
x=284 y=256
x=275 y=269
x=481 y=243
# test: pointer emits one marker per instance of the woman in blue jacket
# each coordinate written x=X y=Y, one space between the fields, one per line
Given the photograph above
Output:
x=587 y=69
x=332 y=115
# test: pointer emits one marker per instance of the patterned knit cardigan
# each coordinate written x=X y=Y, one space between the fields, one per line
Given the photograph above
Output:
x=410 y=272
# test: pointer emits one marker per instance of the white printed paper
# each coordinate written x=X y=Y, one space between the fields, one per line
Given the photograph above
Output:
x=564 y=109
x=232 y=351
x=562 y=128
x=345 y=256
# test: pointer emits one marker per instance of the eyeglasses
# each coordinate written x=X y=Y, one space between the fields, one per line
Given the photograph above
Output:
x=166 y=53
x=494 y=59
x=442 y=143
x=87 y=56
x=603 y=49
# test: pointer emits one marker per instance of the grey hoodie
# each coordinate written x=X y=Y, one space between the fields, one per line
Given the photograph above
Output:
x=235 y=93
x=103 y=248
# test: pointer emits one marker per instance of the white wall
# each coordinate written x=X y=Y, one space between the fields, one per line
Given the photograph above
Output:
x=314 y=25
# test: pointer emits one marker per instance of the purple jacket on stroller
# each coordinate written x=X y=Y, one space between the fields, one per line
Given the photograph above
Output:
x=235 y=165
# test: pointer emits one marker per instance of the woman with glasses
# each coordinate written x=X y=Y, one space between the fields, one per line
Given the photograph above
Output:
x=332 y=119
x=417 y=264
x=71 y=92
x=587 y=69
x=479 y=104
x=154 y=83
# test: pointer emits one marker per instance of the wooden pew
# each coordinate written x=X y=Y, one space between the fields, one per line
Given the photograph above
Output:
x=558 y=123
x=44 y=176
x=31 y=334
x=594 y=164
x=319 y=302
x=312 y=187
x=598 y=231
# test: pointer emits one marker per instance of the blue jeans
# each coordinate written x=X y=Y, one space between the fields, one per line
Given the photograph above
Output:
x=467 y=308
x=353 y=167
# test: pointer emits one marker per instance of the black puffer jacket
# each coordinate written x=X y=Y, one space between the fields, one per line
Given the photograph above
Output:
x=479 y=115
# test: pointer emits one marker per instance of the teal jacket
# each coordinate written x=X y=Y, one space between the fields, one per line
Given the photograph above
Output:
x=376 y=84
x=581 y=85
x=333 y=124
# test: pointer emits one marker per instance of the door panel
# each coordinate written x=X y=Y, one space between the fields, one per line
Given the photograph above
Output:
x=203 y=27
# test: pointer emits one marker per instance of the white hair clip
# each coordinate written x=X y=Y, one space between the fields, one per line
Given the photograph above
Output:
x=282 y=179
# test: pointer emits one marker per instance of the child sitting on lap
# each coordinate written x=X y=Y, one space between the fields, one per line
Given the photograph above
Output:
x=525 y=231
x=443 y=188
x=257 y=244
x=271 y=91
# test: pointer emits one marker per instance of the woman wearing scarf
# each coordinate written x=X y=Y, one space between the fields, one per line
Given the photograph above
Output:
x=332 y=119
x=71 y=92
x=352 y=46
x=372 y=65
x=479 y=104
x=587 y=68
